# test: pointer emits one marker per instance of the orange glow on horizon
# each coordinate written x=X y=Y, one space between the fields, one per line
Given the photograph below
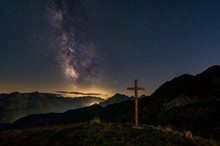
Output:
x=103 y=93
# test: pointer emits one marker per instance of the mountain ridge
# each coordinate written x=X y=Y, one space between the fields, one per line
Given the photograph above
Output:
x=117 y=98
x=169 y=103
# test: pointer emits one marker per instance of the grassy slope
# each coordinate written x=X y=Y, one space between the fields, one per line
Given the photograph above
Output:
x=89 y=134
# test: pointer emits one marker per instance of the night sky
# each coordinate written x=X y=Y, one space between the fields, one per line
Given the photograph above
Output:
x=101 y=46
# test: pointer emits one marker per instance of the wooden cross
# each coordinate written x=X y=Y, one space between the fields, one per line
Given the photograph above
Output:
x=136 y=88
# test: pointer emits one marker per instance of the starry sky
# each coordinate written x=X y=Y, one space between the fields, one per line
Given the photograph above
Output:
x=100 y=46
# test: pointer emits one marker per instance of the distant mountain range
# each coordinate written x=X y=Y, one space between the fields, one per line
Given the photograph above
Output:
x=186 y=102
x=16 y=105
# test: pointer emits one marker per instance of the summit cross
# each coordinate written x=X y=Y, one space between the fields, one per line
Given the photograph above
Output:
x=136 y=88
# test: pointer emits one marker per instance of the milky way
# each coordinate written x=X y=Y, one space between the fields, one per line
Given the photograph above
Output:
x=75 y=53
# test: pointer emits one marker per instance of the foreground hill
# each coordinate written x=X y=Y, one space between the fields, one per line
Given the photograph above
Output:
x=85 y=134
x=16 y=105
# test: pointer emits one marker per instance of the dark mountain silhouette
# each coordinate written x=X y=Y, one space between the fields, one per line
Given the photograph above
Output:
x=117 y=98
x=187 y=103
x=203 y=85
x=17 y=105
x=211 y=78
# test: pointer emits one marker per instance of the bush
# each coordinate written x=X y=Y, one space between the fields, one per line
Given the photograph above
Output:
x=95 y=120
x=188 y=134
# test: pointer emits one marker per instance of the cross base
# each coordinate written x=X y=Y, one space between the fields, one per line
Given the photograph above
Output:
x=139 y=127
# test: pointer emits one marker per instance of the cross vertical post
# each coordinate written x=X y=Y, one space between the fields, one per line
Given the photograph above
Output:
x=136 y=88
x=136 y=102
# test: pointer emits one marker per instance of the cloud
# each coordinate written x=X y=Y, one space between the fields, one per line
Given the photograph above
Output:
x=79 y=93
x=62 y=92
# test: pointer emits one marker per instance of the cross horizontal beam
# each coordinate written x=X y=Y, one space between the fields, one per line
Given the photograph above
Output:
x=139 y=88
